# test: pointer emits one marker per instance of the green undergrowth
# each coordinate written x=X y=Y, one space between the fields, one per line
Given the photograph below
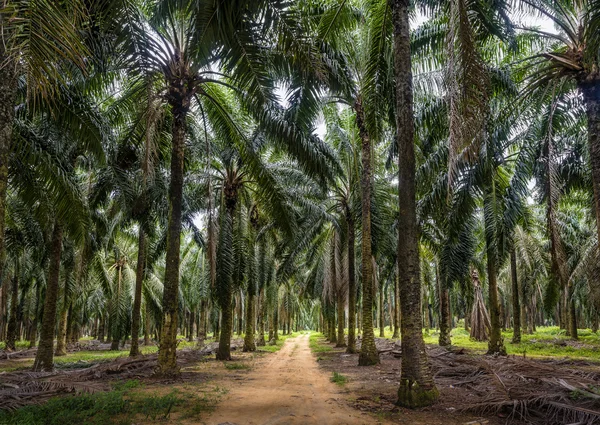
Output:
x=84 y=358
x=546 y=342
x=128 y=403
x=279 y=343
x=317 y=344
x=236 y=366
x=338 y=378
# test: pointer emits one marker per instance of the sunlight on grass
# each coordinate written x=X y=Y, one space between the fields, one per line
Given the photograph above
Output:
x=278 y=343
x=315 y=342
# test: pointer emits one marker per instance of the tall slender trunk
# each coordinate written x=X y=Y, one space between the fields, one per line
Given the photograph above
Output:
x=11 y=333
x=351 y=285
x=137 y=298
x=396 y=334
x=261 y=319
x=381 y=312
x=416 y=383
x=225 y=290
x=496 y=342
x=276 y=321
x=36 y=316
x=61 y=336
x=515 y=298
x=572 y=314
x=179 y=100
x=368 y=351
x=444 y=298
x=249 y=343
x=340 y=299
x=147 y=325
x=44 y=359
x=445 y=318
x=340 y=319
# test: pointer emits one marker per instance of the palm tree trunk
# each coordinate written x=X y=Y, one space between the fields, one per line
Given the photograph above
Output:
x=351 y=349
x=34 y=325
x=11 y=333
x=368 y=351
x=590 y=88
x=61 y=337
x=515 y=299
x=396 y=334
x=572 y=314
x=8 y=94
x=249 y=344
x=496 y=343
x=417 y=388
x=44 y=359
x=225 y=297
x=381 y=312
x=180 y=96
x=261 y=319
x=445 y=320
x=137 y=298
x=340 y=319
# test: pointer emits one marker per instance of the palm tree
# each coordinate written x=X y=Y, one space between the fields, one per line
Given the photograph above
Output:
x=569 y=59
x=174 y=45
x=41 y=42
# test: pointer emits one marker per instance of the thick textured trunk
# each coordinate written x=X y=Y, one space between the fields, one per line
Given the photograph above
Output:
x=351 y=349
x=180 y=96
x=61 y=336
x=225 y=291
x=496 y=342
x=417 y=388
x=368 y=351
x=590 y=88
x=515 y=299
x=137 y=297
x=226 y=328
x=44 y=359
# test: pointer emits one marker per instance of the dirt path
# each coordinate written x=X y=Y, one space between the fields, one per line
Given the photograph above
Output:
x=287 y=388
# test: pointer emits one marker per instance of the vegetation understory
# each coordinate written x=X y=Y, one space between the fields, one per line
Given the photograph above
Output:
x=543 y=382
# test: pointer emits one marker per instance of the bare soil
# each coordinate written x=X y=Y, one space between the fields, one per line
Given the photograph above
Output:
x=288 y=388
x=476 y=388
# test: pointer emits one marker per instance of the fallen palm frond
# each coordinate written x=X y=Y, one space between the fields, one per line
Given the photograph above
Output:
x=22 y=388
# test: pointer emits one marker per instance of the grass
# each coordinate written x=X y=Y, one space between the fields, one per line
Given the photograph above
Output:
x=279 y=342
x=314 y=341
x=546 y=342
x=338 y=378
x=129 y=402
x=236 y=366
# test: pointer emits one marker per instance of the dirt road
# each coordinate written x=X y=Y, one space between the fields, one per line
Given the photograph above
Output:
x=287 y=388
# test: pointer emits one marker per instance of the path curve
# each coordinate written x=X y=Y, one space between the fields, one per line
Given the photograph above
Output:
x=287 y=388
